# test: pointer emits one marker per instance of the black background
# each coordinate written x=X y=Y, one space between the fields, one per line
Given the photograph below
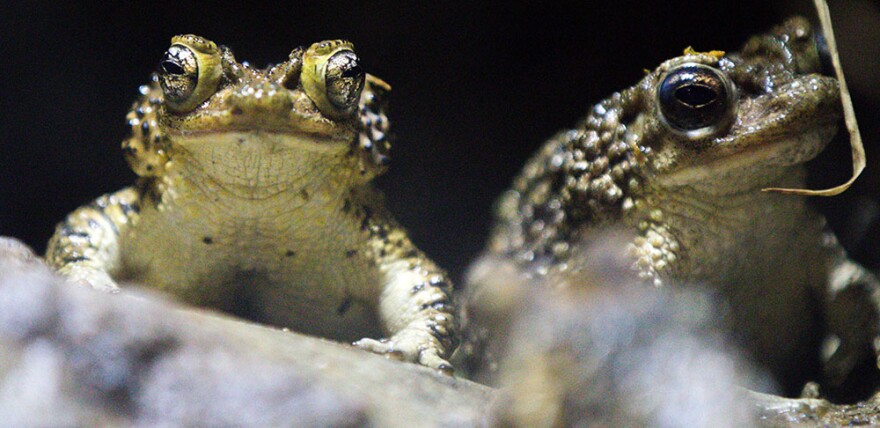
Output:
x=477 y=88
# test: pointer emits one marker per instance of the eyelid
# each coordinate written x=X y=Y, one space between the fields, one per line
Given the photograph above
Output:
x=207 y=56
x=315 y=61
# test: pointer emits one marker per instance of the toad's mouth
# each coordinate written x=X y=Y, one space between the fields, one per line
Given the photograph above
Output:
x=771 y=131
x=258 y=165
x=259 y=133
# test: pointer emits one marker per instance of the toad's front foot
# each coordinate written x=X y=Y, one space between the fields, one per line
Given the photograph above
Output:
x=93 y=278
x=411 y=345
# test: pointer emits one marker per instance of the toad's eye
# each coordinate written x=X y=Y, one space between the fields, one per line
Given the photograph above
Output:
x=333 y=77
x=189 y=72
x=696 y=100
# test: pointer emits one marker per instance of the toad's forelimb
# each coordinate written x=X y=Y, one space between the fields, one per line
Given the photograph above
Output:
x=852 y=313
x=85 y=246
x=416 y=304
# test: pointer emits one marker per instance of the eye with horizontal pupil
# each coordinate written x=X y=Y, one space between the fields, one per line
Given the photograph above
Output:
x=696 y=99
x=189 y=72
x=180 y=72
x=695 y=95
x=333 y=78
x=171 y=67
x=344 y=80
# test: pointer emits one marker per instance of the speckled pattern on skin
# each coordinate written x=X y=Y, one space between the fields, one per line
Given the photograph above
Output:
x=680 y=160
x=254 y=199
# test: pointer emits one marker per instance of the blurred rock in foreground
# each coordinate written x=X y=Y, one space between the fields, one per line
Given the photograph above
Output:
x=594 y=346
x=70 y=356
x=75 y=357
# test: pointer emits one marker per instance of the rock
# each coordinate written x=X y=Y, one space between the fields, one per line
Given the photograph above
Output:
x=592 y=346
x=775 y=411
x=73 y=356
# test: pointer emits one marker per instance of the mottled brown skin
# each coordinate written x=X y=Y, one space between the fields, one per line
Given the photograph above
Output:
x=693 y=199
x=254 y=199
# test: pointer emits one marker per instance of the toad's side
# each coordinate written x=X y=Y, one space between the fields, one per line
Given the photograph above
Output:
x=254 y=199
x=680 y=159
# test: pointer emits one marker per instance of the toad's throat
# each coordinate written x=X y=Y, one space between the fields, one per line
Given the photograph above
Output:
x=256 y=165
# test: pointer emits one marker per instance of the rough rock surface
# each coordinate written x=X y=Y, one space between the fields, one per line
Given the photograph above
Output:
x=776 y=411
x=597 y=348
x=594 y=347
x=75 y=357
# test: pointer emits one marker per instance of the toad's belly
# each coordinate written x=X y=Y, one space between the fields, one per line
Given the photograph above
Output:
x=312 y=278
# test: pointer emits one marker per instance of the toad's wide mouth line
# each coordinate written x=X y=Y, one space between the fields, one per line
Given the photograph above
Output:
x=215 y=122
x=786 y=150
x=239 y=136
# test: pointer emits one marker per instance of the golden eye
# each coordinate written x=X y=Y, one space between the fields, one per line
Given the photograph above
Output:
x=189 y=72
x=332 y=77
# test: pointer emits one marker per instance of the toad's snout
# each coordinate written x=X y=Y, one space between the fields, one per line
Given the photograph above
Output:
x=261 y=98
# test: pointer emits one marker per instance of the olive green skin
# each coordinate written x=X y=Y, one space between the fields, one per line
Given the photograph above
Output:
x=254 y=198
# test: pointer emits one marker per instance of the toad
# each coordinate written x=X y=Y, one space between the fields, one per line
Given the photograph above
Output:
x=254 y=198
x=680 y=160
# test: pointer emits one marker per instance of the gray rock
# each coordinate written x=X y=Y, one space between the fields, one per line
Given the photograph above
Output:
x=592 y=346
x=72 y=356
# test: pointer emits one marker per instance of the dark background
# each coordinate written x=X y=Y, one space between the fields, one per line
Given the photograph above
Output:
x=477 y=88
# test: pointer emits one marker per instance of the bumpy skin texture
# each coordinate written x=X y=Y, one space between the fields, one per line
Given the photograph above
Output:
x=693 y=199
x=254 y=199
